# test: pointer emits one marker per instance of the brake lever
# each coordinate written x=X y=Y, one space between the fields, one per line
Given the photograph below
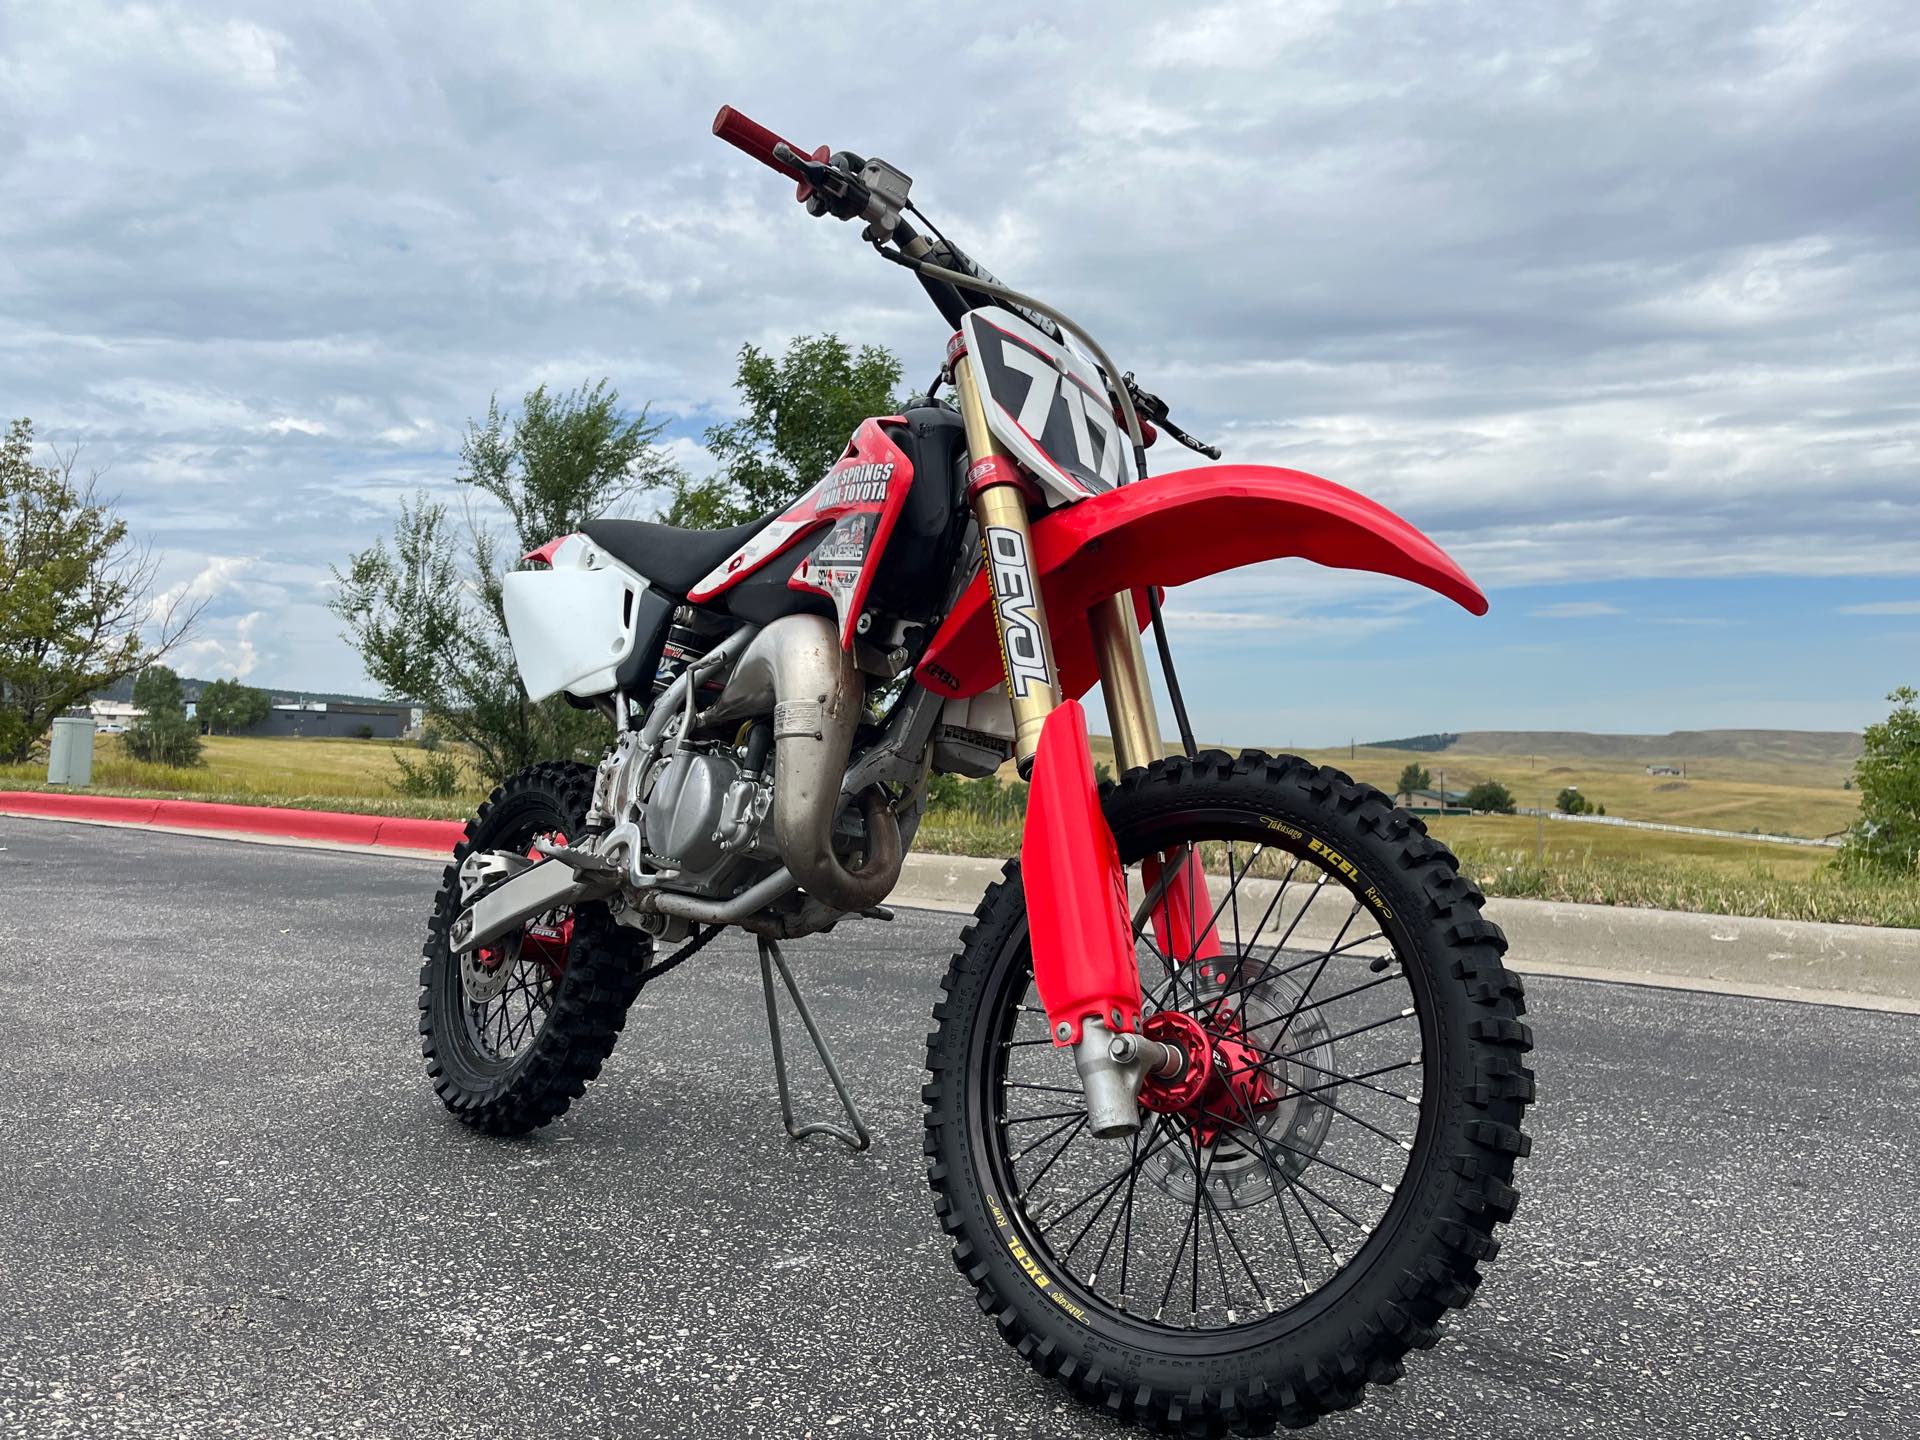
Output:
x=1152 y=407
x=1212 y=452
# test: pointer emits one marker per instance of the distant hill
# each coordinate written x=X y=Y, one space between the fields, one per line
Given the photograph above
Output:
x=190 y=690
x=1819 y=747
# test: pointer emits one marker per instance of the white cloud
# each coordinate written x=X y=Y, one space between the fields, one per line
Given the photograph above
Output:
x=1659 y=313
x=1575 y=610
x=1883 y=607
x=218 y=574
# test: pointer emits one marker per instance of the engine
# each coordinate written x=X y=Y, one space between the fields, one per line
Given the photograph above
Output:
x=702 y=814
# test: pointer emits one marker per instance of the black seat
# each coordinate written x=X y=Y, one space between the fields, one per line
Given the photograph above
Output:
x=674 y=559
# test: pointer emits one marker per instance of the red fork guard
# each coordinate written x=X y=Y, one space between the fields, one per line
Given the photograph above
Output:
x=1083 y=961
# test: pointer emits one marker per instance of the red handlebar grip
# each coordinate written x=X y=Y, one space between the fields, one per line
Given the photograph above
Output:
x=758 y=141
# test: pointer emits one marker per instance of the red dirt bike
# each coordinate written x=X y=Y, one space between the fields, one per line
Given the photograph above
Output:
x=1226 y=1079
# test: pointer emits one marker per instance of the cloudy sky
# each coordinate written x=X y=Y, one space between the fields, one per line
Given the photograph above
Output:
x=1619 y=301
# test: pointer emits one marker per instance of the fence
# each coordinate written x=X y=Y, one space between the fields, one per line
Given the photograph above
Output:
x=1687 y=829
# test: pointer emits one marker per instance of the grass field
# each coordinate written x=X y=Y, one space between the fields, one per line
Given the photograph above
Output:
x=1780 y=798
x=1589 y=863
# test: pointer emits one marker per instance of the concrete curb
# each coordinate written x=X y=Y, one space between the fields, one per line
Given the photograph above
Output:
x=1858 y=966
x=331 y=826
x=1862 y=966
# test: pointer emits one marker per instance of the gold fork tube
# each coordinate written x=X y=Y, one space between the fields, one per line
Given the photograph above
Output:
x=1006 y=542
x=1124 y=683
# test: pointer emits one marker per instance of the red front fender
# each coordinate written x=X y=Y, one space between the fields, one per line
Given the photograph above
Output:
x=1174 y=528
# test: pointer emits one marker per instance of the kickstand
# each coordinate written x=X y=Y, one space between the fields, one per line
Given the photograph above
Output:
x=857 y=1138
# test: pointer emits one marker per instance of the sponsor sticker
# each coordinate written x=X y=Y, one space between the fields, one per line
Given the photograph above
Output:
x=1023 y=646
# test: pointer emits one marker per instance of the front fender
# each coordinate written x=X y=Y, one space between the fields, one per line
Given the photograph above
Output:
x=1172 y=529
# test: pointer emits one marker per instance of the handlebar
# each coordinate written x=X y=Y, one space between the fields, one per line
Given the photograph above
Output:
x=848 y=187
x=759 y=142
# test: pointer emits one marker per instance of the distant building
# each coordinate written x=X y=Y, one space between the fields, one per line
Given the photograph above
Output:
x=1663 y=770
x=110 y=717
x=336 y=720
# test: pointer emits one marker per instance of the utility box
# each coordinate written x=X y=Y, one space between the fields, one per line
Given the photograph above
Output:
x=70 y=752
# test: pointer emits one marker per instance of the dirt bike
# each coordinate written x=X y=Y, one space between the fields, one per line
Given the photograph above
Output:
x=1226 y=1079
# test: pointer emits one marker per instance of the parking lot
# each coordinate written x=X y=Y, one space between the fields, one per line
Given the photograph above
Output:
x=230 y=1204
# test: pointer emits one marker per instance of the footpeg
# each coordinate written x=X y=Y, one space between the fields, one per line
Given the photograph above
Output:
x=581 y=862
x=857 y=1138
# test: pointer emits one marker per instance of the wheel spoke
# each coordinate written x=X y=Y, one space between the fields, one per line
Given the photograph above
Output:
x=1322 y=957
x=1407 y=1014
x=1190 y=1228
x=1361 y=1079
x=1027 y=1150
x=1181 y=1200
x=1074 y=1130
x=1049 y=1115
x=1311 y=1155
x=1220 y=1216
x=1132 y=1167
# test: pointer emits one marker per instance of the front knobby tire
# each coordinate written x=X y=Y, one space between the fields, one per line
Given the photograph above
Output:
x=516 y=1062
x=1252 y=1348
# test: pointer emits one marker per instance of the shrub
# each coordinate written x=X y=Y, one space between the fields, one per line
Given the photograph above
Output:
x=437 y=777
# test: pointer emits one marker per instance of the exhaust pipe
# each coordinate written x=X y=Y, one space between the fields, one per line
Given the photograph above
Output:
x=797 y=668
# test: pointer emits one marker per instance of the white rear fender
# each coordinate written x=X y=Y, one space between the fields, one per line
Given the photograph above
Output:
x=573 y=625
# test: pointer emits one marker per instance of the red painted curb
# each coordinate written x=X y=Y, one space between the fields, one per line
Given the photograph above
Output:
x=332 y=825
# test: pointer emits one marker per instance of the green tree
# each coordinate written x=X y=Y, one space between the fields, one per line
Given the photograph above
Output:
x=225 y=706
x=1414 y=777
x=1490 y=795
x=424 y=610
x=1571 y=802
x=76 y=612
x=1887 y=775
x=163 y=735
x=800 y=410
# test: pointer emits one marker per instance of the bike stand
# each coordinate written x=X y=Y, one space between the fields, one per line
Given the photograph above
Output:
x=857 y=1138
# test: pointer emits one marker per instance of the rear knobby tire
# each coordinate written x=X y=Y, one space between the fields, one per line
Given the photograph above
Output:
x=1319 y=1353
x=587 y=1007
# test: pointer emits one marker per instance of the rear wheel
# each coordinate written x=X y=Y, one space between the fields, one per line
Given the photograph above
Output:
x=1285 y=1228
x=513 y=1032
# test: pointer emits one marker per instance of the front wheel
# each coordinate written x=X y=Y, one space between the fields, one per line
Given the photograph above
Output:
x=1266 y=1247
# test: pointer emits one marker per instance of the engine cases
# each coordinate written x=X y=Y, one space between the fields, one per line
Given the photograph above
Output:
x=702 y=815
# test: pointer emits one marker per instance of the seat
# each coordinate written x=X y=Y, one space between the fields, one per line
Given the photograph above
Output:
x=674 y=559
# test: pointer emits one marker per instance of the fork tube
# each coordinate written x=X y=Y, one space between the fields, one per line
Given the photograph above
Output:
x=999 y=498
x=1124 y=683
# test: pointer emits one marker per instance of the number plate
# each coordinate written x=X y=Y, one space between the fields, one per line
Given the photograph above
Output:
x=1046 y=404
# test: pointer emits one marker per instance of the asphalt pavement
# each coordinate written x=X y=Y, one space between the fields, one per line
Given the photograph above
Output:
x=231 y=1206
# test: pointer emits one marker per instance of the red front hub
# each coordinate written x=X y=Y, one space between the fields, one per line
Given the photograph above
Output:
x=1223 y=1082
